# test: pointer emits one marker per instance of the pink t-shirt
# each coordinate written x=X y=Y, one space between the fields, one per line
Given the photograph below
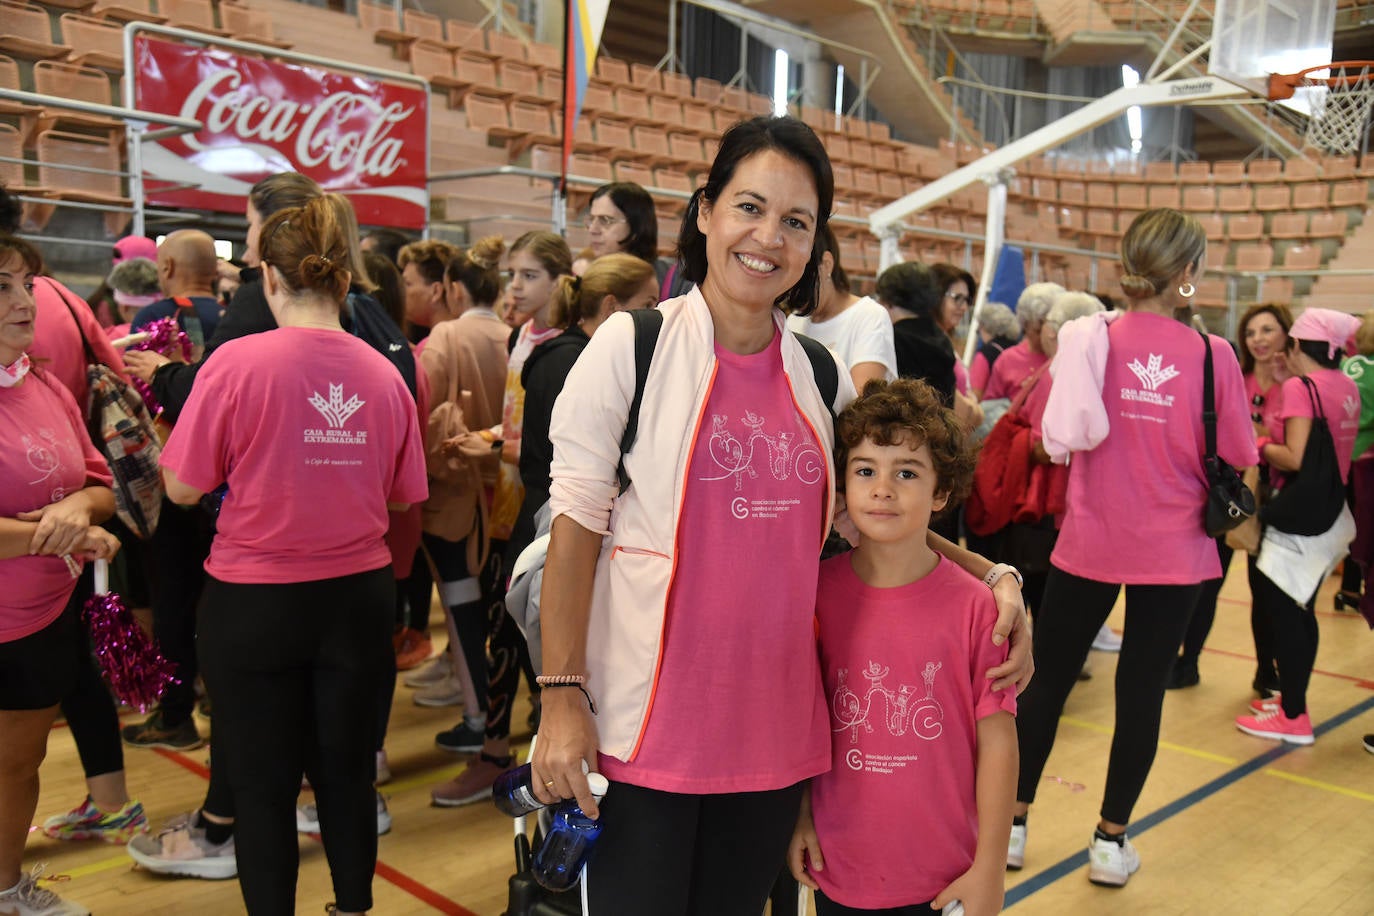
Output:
x=897 y=814
x=1037 y=398
x=961 y=380
x=737 y=704
x=1011 y=369
x=1135 y=502
x=315 y=432
x=979 y=371
x=49 y=456
x=62 y=320
x=1340 y=402
x=1270 y=408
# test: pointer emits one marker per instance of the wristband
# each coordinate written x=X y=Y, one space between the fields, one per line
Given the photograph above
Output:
x=578 y=685
x=560 y=680
x=1000 y=570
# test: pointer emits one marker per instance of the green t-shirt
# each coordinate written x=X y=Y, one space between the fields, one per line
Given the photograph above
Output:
x=1361 y=369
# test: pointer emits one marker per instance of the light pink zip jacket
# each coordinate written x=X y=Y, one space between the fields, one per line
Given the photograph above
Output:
x=1075 y=418
x=638 y=556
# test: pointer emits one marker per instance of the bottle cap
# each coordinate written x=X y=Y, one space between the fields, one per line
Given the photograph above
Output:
x=598 y=784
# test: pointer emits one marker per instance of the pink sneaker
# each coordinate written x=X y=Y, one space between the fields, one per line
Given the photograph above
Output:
x=1265 y=704
x=1277 y=726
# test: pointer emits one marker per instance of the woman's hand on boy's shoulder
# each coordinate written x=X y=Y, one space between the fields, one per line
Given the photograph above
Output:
x=1013 y=624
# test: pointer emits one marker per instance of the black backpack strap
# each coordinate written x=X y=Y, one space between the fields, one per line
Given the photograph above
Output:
x=648 y=323
x=1209 y=407
x=1318 y=412
x=824 y=370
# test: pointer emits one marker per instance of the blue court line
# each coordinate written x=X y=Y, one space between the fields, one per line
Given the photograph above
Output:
x=1076 y=861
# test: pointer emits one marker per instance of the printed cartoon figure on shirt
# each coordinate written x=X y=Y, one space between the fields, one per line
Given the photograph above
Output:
x=737 y=459
x=922 y=717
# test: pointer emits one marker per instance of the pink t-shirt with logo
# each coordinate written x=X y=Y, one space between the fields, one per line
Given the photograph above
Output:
x=1012 y=368
x=737 y=704
x=1135 y=503
x=315 y=432
x=897 y=814
x=48 y=456
x=1340 y=402
x=1270 y=408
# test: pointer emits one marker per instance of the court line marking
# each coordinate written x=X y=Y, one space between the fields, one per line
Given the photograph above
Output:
x=1319 y=784
x=1073 y=863
x=1166 y=745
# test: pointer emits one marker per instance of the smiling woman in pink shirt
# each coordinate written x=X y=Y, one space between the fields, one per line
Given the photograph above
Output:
x=1134 y=514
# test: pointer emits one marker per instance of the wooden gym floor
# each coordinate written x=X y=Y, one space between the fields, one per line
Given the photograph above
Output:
x=1227 y=823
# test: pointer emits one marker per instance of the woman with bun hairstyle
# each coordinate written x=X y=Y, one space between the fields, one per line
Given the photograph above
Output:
x=1316 y=344
x=1127 y=405
x=315 y=435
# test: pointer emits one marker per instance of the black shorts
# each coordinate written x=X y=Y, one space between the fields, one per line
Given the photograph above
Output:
x=38 y=670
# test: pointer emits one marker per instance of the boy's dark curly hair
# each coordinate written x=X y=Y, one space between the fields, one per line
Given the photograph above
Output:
x=909 y=411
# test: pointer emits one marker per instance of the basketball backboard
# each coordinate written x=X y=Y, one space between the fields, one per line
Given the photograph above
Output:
x=1254 y=38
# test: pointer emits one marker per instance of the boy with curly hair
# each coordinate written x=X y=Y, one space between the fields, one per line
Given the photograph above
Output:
x=921 y=743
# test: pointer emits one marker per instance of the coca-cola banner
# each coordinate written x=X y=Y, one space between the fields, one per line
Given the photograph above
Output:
x=361 y=137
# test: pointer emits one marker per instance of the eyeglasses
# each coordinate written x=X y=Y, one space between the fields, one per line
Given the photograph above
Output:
x=957 y=298
x=601 y=221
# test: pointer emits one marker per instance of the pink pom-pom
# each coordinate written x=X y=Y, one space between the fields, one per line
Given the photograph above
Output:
x=137 y=673
x=165 y=336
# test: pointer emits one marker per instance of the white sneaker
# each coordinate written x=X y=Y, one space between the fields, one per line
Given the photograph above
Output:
x=1016 y=847
x=1107 y=640
x=1110 y=863
x=448 y=692
x=28 y=899
x=437 y=669
x=308 y=817
x=383 y=769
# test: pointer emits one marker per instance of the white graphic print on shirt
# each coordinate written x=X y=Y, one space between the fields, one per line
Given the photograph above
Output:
x=42 y=455
x=336 y=412
x=741 y=460
x=901 y=712
x=1152 y=376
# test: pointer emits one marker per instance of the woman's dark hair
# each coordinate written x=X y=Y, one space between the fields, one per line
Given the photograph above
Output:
x=638 y=207
x=389 y=291
x=946 y=275
x=791 y=138
x=388 y=242
x=14 y=245
x=1281 y=315
x=285 y=189
x=829 y=243
x=309 y=249
x=1318 y=351
x=11 y=211
x=913 y=286
x=479 y=269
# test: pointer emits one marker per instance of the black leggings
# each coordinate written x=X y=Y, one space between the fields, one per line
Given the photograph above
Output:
x=1294 y=627
x=290 y=667
x=413 y=595
x=89 y=709
x=178 y=548
x=1075 y=608
x=668 y=854
x=1205 y=612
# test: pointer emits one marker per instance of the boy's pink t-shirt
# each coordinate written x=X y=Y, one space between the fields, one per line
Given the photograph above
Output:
x=904 y=671
x=1340 y=402
x=314 y=432
x=1135 y=503
x=49 y=457
x=1012 y=368
x=737 y=704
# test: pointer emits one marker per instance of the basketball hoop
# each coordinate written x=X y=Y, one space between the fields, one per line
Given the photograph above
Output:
x=1338 y=102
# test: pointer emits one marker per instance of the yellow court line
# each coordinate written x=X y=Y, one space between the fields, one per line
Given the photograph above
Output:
x=95 y=868
x=1318 y=784
x=433 y=777
x=1164 y=745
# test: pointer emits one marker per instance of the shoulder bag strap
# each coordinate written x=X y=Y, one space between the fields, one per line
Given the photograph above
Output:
x=648 y=323
x=91 y=359
x=1312 y=396
x=823 y=370
x=1209 y=407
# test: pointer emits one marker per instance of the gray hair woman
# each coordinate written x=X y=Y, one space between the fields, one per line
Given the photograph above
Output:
x=1018 y=362
x=998 y=329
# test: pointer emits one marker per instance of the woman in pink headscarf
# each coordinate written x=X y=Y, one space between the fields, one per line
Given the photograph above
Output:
x=1316 y=343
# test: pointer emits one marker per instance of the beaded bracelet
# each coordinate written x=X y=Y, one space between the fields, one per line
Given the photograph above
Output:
x=555 y=680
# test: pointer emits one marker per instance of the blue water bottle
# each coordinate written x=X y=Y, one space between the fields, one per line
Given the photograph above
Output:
x=571 y=837
x=513 y=792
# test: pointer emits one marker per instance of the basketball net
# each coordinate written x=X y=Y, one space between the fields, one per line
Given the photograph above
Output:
x=1339 y=114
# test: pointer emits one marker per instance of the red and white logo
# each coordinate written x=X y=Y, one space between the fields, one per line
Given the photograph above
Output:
x=355 y=135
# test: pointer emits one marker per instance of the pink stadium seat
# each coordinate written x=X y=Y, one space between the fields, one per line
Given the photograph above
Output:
x=26 y=32
x=1289 y=225
x=1235 y=199
x=505 y=45
x=1201 y=198
x=252 y=25
x=651 y=144
x=1101 y=194
x=1328 y=224
x=1245 y=227
x=615 y=72
x=1338 y=168
x=1228 y=171
x=1197 y=172
x=706 y=89
x=1302 y=257
x=1300 y=170
x=1273 y=197
x=1213 y=225
x=1350 y=193
x=1164 y=195
x=1264 y=170
x=1256 y=256
x=83 y=84
x=96 y=43
x=1312 y=195
x=467 y=37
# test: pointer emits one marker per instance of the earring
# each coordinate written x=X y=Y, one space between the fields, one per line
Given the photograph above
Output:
x=1187 y=291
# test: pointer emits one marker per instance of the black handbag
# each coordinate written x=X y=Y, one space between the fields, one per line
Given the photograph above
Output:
x=1311 y=501
x=1229 y=500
